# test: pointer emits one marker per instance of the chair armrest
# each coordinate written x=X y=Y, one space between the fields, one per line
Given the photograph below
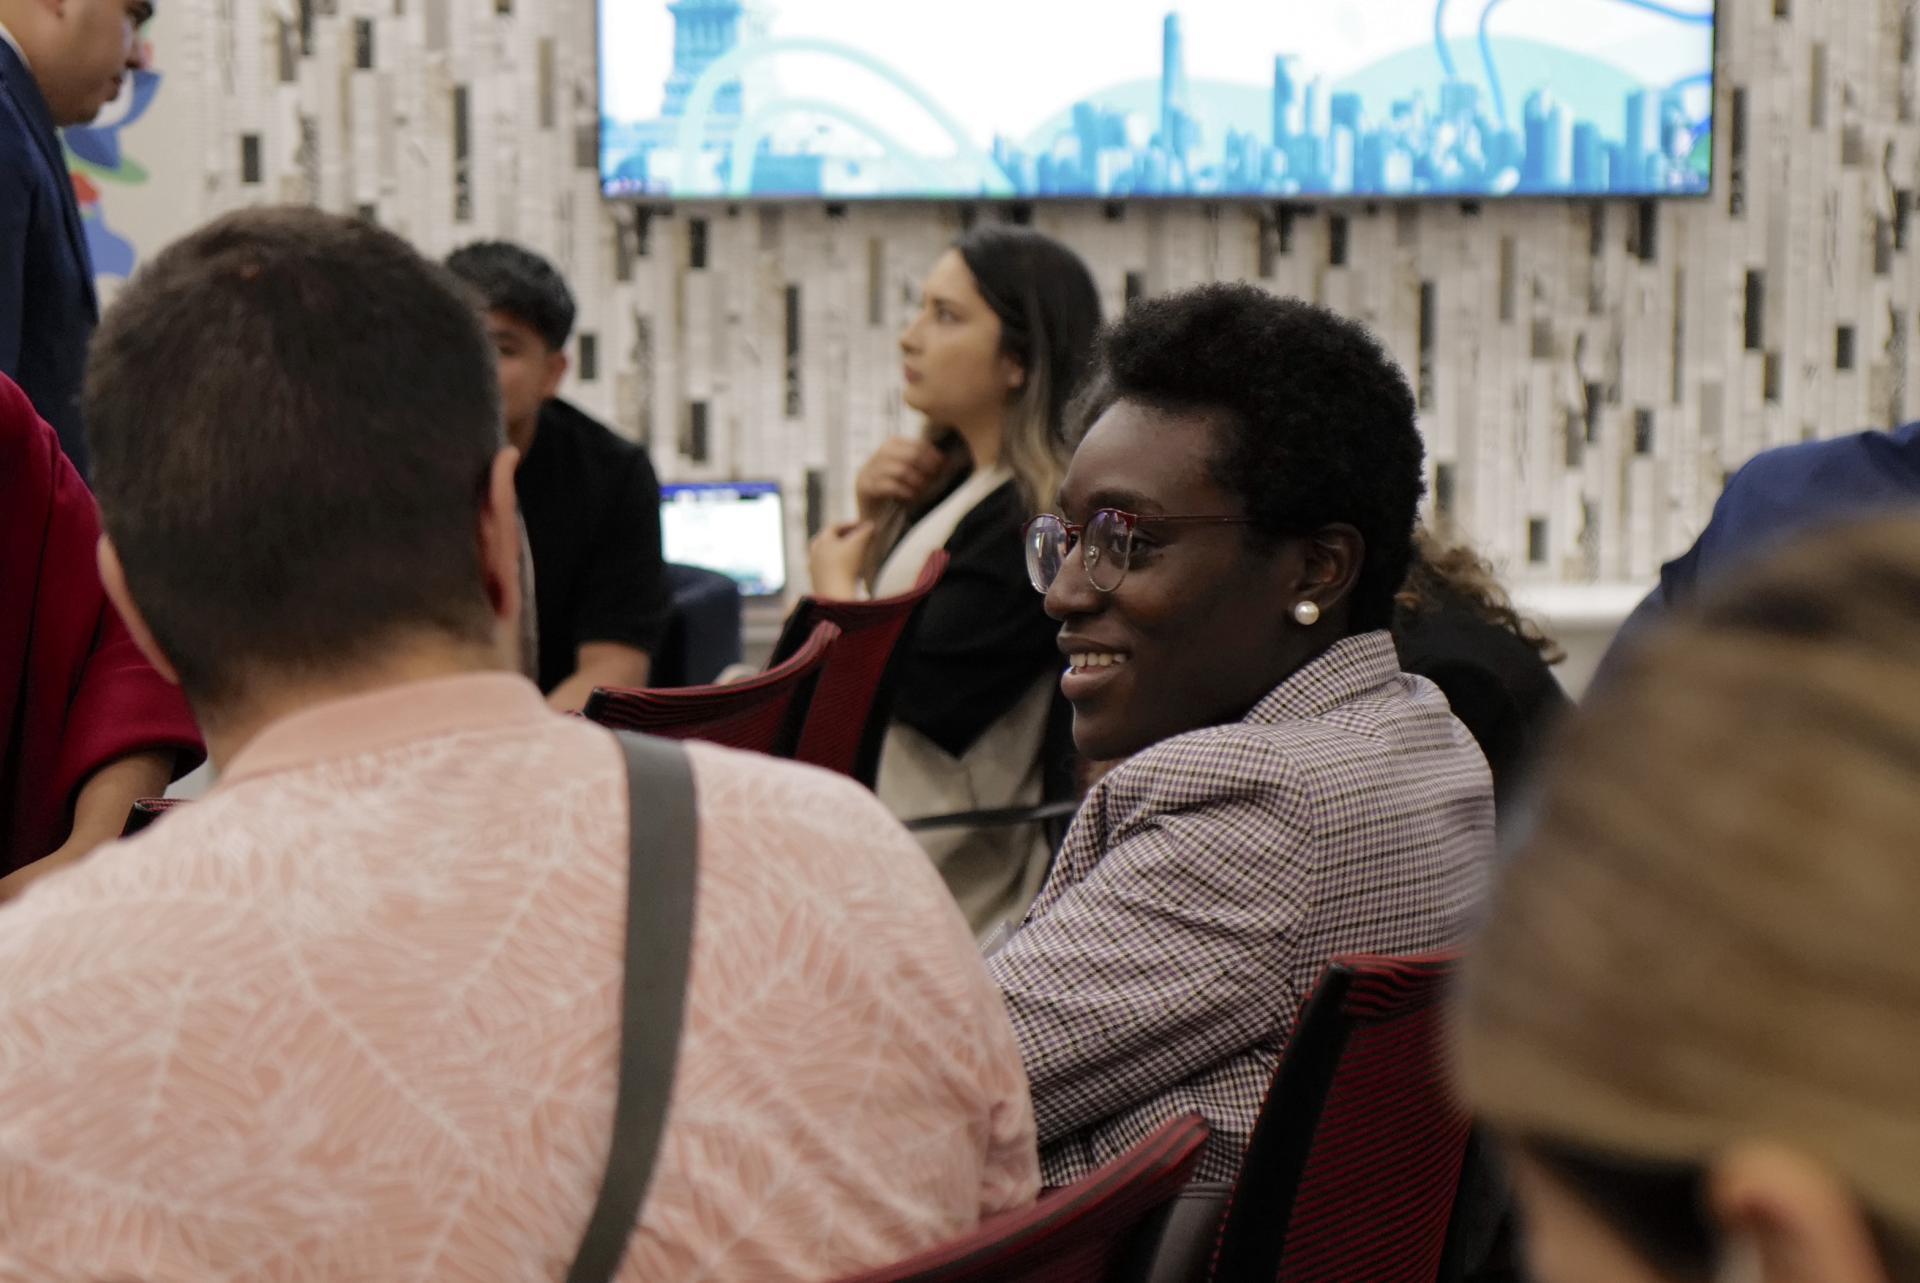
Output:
x=145 y=811
x=1175 y=1244
x=998 y=817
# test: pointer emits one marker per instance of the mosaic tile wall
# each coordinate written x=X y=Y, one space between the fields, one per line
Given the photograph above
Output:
x=1588 y=372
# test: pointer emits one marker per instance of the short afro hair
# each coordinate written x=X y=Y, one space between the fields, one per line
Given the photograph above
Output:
x=1317 y=421
x=507 y=278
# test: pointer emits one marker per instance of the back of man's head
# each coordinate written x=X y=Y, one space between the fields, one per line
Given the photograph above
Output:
x=293 y=418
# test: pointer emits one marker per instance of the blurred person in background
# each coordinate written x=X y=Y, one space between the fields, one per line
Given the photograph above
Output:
x=61 y=62
x=997 y=348
x=1694 y=1014
x=589 y=497
x=1776 y=495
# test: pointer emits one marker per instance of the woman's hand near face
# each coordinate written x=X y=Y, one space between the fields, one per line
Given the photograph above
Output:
x=898 y=472
x=835 y=557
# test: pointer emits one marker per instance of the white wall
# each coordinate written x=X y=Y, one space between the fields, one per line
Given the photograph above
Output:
x=1538 y=305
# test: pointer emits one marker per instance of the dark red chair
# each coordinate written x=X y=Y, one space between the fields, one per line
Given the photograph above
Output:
x=847 y=721
x=146 y=811
x=1352 y=1170
x=1083 y=1233
x=763 y=714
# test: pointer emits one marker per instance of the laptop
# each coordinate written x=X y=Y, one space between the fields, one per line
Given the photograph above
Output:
x=738 y=528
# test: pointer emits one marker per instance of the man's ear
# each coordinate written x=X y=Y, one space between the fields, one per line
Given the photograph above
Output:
x=1790 y=1218
x=1329 y=567
x=556 y=372
x=499 y=536
x=114 y=580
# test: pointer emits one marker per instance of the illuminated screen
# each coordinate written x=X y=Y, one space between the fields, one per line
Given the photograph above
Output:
x=735 y=527
x=1110 y=99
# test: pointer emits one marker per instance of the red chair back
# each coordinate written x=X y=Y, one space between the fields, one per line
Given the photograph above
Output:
x=1353 y=1166
x=1079 y=1234
x=763 y=714
x=847 y=722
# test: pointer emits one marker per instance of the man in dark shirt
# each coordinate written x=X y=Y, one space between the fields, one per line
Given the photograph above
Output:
x=589 y=498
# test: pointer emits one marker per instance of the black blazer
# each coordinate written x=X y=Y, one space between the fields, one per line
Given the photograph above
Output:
x=47 y=304
x=984 y=637
x=1497 y=685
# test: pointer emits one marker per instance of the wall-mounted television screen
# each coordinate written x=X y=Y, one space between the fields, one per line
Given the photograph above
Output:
x=844 y=100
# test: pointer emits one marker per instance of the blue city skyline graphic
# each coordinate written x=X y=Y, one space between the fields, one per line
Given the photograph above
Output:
x=1489 y=115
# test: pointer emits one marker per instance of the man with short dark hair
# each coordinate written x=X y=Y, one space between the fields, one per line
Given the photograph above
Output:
x=354 y=1014
x=590 y=498
x=61 y=61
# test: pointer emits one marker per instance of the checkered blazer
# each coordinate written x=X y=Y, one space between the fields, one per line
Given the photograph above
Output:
x=1207 y=881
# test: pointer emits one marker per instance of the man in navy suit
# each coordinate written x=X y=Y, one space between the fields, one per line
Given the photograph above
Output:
x=61 y=61
x=1777 y=495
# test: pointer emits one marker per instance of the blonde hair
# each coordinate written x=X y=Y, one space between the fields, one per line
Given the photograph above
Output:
x=1713 y=933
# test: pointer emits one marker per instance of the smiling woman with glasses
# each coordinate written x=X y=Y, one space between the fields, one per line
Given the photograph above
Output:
x=1105 y=543
x=1222 y=561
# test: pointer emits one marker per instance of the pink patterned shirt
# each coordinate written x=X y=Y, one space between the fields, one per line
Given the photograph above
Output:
x=353 y=1016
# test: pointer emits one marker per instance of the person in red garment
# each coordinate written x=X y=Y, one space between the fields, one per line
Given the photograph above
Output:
x=86 y=725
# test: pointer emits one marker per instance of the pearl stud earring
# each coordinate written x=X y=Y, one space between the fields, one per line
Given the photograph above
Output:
x=1306 y=614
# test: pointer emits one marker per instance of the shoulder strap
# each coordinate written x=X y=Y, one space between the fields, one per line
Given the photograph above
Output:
x=661 y=867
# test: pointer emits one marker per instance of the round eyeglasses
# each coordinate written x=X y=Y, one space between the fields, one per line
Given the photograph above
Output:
x=1106 y=544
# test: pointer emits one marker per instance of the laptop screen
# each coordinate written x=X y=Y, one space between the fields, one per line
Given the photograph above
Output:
x=735 y=527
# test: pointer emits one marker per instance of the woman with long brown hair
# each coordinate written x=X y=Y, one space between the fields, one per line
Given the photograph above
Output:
x=1694 y=1014
x=998 y=345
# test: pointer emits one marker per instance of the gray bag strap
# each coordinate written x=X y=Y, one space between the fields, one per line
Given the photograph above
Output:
x=661 y=865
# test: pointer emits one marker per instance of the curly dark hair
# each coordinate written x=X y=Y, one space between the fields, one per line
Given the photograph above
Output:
x=1319 y=420
x=508 y=278
x=1445 y=574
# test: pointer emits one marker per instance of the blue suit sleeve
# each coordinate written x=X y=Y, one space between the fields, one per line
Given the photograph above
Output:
x=1727 y=530
x=16 y=199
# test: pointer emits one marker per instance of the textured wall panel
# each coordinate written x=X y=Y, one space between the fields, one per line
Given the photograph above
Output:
x=1589 y=373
